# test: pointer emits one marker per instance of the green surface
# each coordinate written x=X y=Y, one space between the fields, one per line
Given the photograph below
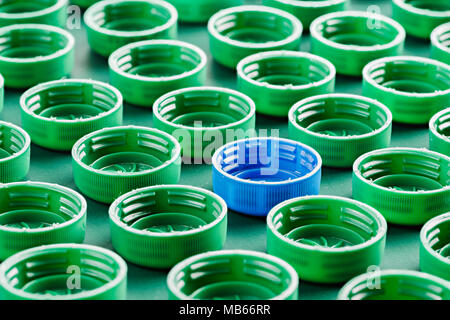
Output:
x=402 y=249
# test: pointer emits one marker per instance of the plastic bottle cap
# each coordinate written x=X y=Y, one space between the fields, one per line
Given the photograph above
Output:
x=35 y=53
x=14 y=152
x=253 y=175
x=306 y=11
x=326 y=239
x=110 y=162
x=50 y=12
x=58 y=113
x=413 y=88
x=408 y=186
x=238 y=32
x=435 y=246
x=194 y=115
x=233 y=275
x=144 y=71
x=396 y=285
x=351 y=39
x=341 y=127
x=37 y=213
x=112 y=24
x=199 y=11
x=32 y=274
x=440 y=132
x=159 y=226
x=440 y=43
x=419 y=18
x=276 y=80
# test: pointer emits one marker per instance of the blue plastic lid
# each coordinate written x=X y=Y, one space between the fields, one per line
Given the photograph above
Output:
x=253 y=175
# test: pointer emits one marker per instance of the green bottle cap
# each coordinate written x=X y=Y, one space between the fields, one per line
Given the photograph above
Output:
x=112 y=24
x=406 y=85
x=440 y=132
x=64 y=272
x=110 y=162
x=37 y=213
x=58 y=113
x=200 y=11
x=440 y=43
x=233 y=275
x=159 y=226
x=195 y=115
x=50 y=12
x=408 y=186
x=14 y=153
x=144 y=71
x=419 y=18
x=35 y=53
x=306 y=10
x=435 y=246
x=351 y=39
x=341 y=127
x=395 y=285
x=238 y=32
x=326 y=239
x=276 y=80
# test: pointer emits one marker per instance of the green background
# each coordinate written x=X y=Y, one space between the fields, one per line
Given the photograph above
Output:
x=402 y=249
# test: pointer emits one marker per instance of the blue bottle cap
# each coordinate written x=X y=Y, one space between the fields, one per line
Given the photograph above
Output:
x=253 y=175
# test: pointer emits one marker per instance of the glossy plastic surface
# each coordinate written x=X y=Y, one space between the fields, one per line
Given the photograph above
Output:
x=159 y=226
x=112 y=24
x=33 y=275
x=110 y=162
x=37 y=213
x=341 y=127
x=326 y=239
x=233 y=275
x=408 y=186
x=276 y=80
x=238 y=32
x=253 y=175
x=56 y=114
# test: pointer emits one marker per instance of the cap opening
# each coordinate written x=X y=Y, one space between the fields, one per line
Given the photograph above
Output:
x=326 y=223
x=355 y=30
x=410 y=76
x=232 y=276
x=335 y=116
x=267 y=160
x=34 y=205
x=403 y=170
x=14 y=6
x=167 y=209
x=70 y=100
x=12 y=141
x=125 y=150
x=156 y=60
x=254 y=26
x=48 y=272
x=200 y=108
x=285 y=70
x=29 y=42
x=130 y=16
